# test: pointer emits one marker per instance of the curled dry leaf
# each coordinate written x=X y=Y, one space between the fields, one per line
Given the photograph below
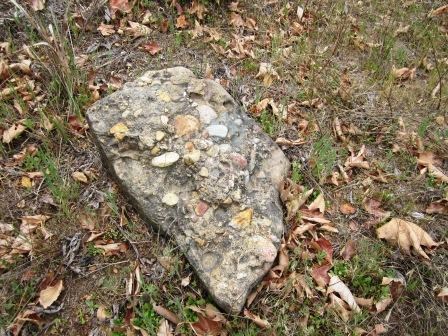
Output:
x=349 y=250
x=169 y=315
x=406 y=235
x=336 y=285
x=340 y=307
x=403 y=73
x=13 y=132
x=373 y=207
x=318 y=204
x=267 y=73
x=182 y=22
x=113 y=248
x=137 y=29
x=106 y=29
x=439 y=11
x=381 y=306
x=120 y=5
x=102 y=314
x=263 y=324
x=50 y=294
x=164 y=329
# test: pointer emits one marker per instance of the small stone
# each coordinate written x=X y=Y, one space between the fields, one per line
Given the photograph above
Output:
x=192 y=157
x=238 y=122
x=160 y=135
x=201 y=208
x=225 y=148
x=155 y=150
x=206 y=114
x=238 y=160
x=164 y=96
x=213 y=151
x=189 y=146
x=219 y=131
x=165 y=160
x=203 y=172
x=164 y=119
x=185 y=124
x=242 y=219
x=170 y=199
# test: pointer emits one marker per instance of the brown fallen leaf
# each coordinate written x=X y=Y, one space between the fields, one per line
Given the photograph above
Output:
x=373 y=207
x=320 y=275
x=102 y=314
x=406 y=235
x=50 y=294
x=439 y=11
x=349 y=250
x=438 y=207
x=123 y=6
x=105 y=29
x=403 y=73
x=324 y=245
x=340 y=307
x=182 y=22
x=381 y=306
x=113 y=248
x=443 y=294
x=263 y=324
x=37 y=5
x=169 y=315
x=347 y=209
x=137 y=29
x=267 y=73
x=198 y=9
x=236 y=20
x=152 y=47
x=13 y=132
x=80 y=177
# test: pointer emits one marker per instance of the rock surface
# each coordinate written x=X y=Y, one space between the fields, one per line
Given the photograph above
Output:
x=210 y=181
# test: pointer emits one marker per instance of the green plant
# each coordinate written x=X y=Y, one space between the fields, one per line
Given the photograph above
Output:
x=269 y=122
x=146 y=318
x=323 y=157
x=93 y=251
x=296 y=174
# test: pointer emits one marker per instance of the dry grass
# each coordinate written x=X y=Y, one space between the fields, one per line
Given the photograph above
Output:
x=337 y=37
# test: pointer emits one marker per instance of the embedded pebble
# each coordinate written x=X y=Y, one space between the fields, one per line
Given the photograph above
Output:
x=206 y=114
x=165 y=160
x=203 y=172
x=219 y=131
x=192 y=157
x=170 y=199
x=160 y=135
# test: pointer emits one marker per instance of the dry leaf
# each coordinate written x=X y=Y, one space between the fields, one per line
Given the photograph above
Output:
x=318 y=203
x=439 y=11
x=106 y=29
x=403 y=73
x=119 y=131
x=299 y=13
x=120 y=5
x=170 y=316
x=13 y=132
x=373 y=207
x=347 y=209
x=443 y=294
x=113 y=248
x=50 y=294
x=152 y=47
x=181 y=22
x=268 y=73
x=102 y=314
x=37 y=5
x=380 y=306
x=263 y=324
x=406 y=235
x=320 y=275
x=80 y=177
x=336 y=285
x=197 y=9
x=438 y=207
x=164 y=329
x=349 y=250
x=340 y=307
x=137 y=29
x=236 y=20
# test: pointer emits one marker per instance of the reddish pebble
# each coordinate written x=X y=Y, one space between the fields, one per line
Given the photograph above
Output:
x=201 y=208
x=239 y=160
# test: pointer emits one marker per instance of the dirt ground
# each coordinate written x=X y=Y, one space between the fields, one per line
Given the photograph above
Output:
x=354 y=92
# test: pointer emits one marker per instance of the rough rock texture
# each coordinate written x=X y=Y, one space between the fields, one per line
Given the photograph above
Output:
x=198 y=168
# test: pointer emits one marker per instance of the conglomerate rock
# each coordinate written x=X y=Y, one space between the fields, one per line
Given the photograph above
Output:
x=196 y=167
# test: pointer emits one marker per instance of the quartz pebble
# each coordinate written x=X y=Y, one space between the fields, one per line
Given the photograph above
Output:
x=219 y=131
x=170 y=199
x=206 y=114
x=165 y=160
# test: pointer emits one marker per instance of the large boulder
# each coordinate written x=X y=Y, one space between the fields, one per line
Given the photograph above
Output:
x=200 y=170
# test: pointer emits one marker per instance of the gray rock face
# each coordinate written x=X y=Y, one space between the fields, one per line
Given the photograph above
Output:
x=196 y=167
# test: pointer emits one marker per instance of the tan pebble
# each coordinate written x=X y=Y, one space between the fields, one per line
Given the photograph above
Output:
x=192 y=157
x=199 y=241
x=160 y=135
x=165 y=160
x=189 y=146
x=185 y=124
x=155 y=150
x=164 y=120
x=203 y=172
x=243 y=218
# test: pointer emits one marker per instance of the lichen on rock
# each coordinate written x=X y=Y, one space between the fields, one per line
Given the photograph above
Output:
x=197 y=167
